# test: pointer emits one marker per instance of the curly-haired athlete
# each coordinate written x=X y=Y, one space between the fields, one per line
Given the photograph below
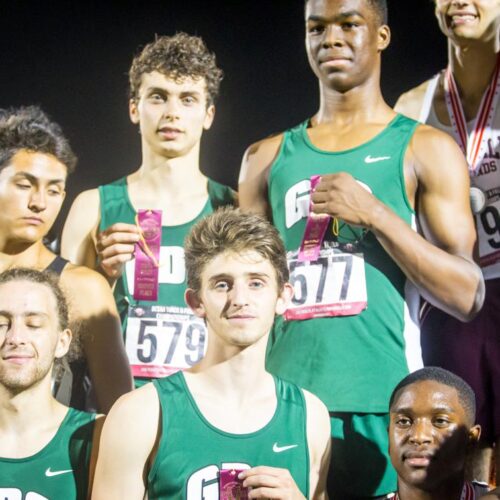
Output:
x=174 y=82
x=35 y=159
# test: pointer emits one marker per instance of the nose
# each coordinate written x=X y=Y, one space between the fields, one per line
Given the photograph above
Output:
x=171 y=110
x=333 y=36
x=15 y=334
x=421 y=431
x=239 y=295
x=38 y=201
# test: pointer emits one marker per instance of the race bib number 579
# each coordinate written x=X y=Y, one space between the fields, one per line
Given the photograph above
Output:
x=332 y=285
x=161 y=340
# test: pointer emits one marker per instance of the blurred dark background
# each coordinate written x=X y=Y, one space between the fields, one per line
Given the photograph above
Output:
x=72 y=59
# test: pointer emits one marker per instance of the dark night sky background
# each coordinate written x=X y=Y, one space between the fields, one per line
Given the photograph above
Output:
x=72 y=59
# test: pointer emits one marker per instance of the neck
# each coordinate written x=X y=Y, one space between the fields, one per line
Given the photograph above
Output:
x=22 y=254
x=451 y=489
x=472 y=66
x=174 y=175
x=234 y=370
x=16 y=408
x=360 y=104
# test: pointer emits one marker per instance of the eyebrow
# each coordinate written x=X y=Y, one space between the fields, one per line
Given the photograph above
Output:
x=9 y=314
x=220 y=276
x=34 y=179
x=435 y=409
x=159 y=90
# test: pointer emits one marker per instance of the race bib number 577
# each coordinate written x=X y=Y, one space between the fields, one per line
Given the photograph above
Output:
x=332 y=285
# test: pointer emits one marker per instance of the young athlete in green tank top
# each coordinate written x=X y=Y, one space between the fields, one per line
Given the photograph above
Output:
x=180 y=436
x=174 y=82
x=348 y=335
x=46 y=447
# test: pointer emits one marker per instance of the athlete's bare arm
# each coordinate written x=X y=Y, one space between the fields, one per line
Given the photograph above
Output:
x=410 y=103
x=257 y=161
x=93 y=311
x=79 y=233
x=127 y=443
x=96 y=437
x=274 y=482
x=440 y=263
x=319 y=439
x=82 y=243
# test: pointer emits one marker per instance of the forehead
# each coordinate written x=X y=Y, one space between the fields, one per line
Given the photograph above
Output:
x=334 y=8
x=427 y=395
x=22 y=296
x=238 y=264
x=40 y=165
x=171 y=83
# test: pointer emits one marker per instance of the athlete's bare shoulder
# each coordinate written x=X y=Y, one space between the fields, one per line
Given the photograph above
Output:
x=254 y=173
x=318 y=437
x=88 y=291
x=410 y=102
x=80 y=229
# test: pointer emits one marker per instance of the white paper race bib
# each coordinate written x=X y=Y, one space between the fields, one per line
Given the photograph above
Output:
x=161 y=340
x=332 y=285
x=488 y=229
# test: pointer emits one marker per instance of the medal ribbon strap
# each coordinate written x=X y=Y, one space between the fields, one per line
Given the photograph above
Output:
x=314 y=233
x=473 y=145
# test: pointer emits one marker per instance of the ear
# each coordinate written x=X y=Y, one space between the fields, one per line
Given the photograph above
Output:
x=193 y=301
x=62 y=346
x=284 y=299
x=384 y=37
x=474 y=434
x=133 y=111
x=209 y=117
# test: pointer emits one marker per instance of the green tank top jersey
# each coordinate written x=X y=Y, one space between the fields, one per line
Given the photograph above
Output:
x=117 y=207
x=191 y=451
x=59 y=470
x=351 y=362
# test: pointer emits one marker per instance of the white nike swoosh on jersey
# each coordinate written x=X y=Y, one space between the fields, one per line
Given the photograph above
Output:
x=374 y=159
x=279 y=449
x=50 y=473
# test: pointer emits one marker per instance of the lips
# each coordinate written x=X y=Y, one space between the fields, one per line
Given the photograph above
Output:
x=170 y=133
x=337 y=58
x=418 y=458
x=17 y=358
x=461 y=17
x=34 y=221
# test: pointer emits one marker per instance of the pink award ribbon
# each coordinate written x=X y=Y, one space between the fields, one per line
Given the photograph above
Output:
x=475 y=145
x=147 y=255
x=315 y=230
x=230 y=487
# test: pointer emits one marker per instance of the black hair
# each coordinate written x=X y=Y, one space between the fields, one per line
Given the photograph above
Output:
x=29 y=128
x=464 y=390
x=380 y=7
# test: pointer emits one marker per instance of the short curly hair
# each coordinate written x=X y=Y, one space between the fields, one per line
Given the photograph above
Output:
x=29 y=128
x=178 y=56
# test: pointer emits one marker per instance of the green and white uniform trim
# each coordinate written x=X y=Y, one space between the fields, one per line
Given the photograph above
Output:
x=191 y=451
x=351 y=362
x=59 y=470
x=117 y=207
